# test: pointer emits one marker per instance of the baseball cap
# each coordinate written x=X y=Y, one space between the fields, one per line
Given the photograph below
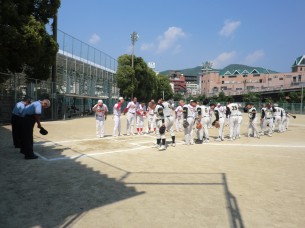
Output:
x=100 y=101
x=121 y=98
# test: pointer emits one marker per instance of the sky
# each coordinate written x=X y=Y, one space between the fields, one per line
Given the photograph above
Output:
x=178 y=34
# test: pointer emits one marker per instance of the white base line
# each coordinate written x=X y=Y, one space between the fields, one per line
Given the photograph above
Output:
x=90 y=154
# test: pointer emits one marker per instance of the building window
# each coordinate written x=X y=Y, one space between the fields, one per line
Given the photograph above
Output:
x=261 y=81
x=300 y=78
x=245 y=75
x=222 y=82
x=239 y=89
x=281 y=79
x=269 y=79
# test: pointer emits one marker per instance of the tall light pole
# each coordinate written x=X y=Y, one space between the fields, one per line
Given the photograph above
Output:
x=134 y=38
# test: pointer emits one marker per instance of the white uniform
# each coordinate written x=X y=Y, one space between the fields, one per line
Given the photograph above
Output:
x=159 y=112
x=220 y=117
x=205 y=121
x=252 y=127
x=232 y=111
x=140 y=119
x=117 y=119
x=169 y=119
x=190 y=118
x=277 y=115
x=151 y=120
x=268 y=119
x=131 y=115
x=179 y=118
x=284 y=120
x=239 y=122
x=100 y=119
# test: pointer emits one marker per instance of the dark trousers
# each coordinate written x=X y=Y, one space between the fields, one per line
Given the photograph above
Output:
x=16 y=122
x=28 y=123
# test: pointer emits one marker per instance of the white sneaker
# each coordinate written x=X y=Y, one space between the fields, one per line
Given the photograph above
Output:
x=156 y=146
x=173 y=144
x=270 y=135
x=218 y=140
x=230 y=139
x=163 y=147
x=206 y=141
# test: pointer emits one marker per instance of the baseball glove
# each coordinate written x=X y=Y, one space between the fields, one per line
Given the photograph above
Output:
x=217 y=125
x=185 y=124
x=162 y=129
x=43 y=131
x=198 y=125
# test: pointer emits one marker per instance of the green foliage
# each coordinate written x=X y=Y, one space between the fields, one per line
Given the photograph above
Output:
x=24 y=41
x=251 y=97
x=141 y=82
x=178 y=97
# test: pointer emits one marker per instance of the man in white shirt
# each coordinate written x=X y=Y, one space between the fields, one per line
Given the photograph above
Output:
x=251 y=110
x=131 y=115
x=116 y=117
x=232 y=113
x=178 y=115
x=189 y=114
x=101 y=112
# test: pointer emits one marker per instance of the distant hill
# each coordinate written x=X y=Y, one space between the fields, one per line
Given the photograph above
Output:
x=191 y=71
x=232 y=67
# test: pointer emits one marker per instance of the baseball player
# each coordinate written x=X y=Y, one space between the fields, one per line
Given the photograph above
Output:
x=277 y=117
x=189 y=114
x=204 y=117
x=141 y=114
x=252 y=127
x=232 y=113
x=262 y=120
x=220 y=117
x=239 y=122
x=160 y=124
x=169 y=120
x=131 y=115
x=101 y=112
x=179 y=115
x=151 y=123
x=267 y=118
x=117 y=116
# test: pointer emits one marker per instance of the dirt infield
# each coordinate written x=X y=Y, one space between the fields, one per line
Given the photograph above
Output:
x=83 y=181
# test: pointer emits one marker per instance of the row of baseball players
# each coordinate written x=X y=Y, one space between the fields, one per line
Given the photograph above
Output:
x=189 y=114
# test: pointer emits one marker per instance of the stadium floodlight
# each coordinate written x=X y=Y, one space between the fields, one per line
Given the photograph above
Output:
x=134 y=38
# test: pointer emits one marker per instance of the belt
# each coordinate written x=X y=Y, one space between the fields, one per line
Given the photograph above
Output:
x=132 y=112
x=206 y=116
x=168 y=116
x=221 y=117
x=190 y=117
x=269 y=118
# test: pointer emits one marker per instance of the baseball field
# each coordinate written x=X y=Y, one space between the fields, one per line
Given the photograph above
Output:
x=80 y=180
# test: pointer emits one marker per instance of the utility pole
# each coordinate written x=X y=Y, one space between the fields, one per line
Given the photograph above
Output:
x=134 y=38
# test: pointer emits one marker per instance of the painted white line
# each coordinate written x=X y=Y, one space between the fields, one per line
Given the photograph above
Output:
x=93 y=154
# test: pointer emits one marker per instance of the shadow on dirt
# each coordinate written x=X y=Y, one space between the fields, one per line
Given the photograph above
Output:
x=38 y=193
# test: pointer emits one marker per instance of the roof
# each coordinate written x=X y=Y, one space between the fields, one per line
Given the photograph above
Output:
x=299 y=61
x=235 y=69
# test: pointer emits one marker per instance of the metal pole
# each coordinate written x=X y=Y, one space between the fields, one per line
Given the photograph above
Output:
x=134 y=37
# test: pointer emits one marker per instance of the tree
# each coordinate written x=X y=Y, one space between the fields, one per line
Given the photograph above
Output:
x=251 y=97
x=141 y=81
x=25 y=44
x=163 y=86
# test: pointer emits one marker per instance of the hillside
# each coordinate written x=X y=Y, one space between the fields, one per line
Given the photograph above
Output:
x=232 y=67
